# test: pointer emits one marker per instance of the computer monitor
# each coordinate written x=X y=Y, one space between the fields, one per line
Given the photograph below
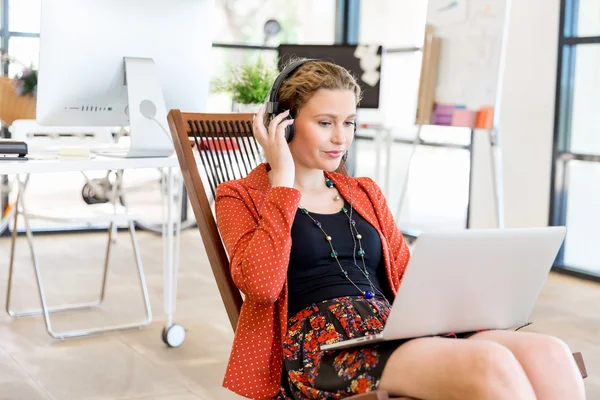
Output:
x=363 y=60
x=124 y=62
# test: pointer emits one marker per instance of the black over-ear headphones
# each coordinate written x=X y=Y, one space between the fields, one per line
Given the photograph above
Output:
x=273 y=108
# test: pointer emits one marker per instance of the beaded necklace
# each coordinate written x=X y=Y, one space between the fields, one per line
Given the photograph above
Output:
x=356 y=237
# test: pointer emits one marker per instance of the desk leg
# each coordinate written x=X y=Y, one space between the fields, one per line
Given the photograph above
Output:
x=173 y=334
x=167 y=237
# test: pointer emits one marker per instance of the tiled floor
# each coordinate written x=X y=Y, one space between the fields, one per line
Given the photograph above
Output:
x=136 y=364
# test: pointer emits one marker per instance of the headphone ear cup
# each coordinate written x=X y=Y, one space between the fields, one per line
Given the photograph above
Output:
x=290 y=131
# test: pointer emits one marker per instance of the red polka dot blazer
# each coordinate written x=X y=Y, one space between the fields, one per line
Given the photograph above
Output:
x=255 y=222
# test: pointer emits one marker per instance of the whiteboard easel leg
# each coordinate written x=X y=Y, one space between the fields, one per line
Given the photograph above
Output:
x=415 y=144
x=497 y=182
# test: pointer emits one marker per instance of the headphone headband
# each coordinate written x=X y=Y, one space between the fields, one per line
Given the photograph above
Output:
x=272 y=106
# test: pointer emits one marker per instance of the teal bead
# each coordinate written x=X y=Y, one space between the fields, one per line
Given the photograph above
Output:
x=344 y=209
x=304 y=211
x=329 y=183
x=361 y=252
x=333 y=254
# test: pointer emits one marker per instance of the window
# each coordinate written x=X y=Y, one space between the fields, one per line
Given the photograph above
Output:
x=576 y=171
x=22 y=39
x=25 y=50
x=583 y=216
x=585 y=119
x=588 y=23
x=24 y=16
x=307 y=21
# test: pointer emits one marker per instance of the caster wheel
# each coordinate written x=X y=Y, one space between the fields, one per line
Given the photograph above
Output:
x=174 y=335
x=89 y=194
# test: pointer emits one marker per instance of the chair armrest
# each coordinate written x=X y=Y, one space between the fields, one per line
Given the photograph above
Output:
x=580 y=364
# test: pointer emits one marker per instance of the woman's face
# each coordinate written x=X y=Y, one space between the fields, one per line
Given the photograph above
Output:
x=324 y=129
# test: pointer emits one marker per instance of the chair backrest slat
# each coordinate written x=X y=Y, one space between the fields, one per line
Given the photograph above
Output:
x=223 y=152
x=227 y=150
x=245 y=149
x=231 y=136
x=225 y=134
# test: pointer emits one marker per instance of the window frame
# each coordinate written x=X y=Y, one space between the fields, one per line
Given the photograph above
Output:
x=568 y=42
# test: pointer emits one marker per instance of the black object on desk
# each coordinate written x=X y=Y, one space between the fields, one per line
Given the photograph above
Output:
x=13 y=150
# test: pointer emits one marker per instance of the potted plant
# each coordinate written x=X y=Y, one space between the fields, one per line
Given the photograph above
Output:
x=249 y=85
x=26 y=82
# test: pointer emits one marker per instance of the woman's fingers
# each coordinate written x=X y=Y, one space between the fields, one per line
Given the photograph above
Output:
x=258 y=127
x=276 y=131
x=281 y=128
x=273 y=125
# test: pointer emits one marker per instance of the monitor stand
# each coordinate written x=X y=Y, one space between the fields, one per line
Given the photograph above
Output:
x=147 y=112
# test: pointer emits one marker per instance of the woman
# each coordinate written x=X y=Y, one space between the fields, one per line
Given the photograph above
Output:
x=319 y=259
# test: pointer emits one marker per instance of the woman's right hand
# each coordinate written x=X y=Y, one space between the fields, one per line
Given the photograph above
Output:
x=275 y=146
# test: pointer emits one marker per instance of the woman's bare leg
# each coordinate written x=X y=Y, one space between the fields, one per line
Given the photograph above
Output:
x=547 y=361
x=439 y=368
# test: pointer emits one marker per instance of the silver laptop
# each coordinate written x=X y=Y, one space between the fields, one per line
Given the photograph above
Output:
x=463 y=281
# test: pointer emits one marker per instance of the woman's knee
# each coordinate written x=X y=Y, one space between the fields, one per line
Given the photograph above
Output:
x=547 y=355
x=548 y=348
x=495 y=373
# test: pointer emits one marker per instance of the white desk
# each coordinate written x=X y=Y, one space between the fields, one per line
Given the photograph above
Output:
x=98 y=163
x=8 y=167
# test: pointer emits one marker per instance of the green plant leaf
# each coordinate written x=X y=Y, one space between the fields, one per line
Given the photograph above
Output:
x=248 y=83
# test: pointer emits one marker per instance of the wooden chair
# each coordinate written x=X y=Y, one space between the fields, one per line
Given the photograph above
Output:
x=225 y=148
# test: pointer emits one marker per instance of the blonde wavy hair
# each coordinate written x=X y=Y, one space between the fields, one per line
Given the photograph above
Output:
x=311 y=76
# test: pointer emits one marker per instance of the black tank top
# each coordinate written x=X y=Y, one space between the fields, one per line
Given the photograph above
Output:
x=313 y=276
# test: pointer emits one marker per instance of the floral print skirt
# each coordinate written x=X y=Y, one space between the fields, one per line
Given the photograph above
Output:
x=310 y=373
x=315 y=374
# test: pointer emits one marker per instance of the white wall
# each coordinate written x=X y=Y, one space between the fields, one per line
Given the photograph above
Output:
x=527 y=110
